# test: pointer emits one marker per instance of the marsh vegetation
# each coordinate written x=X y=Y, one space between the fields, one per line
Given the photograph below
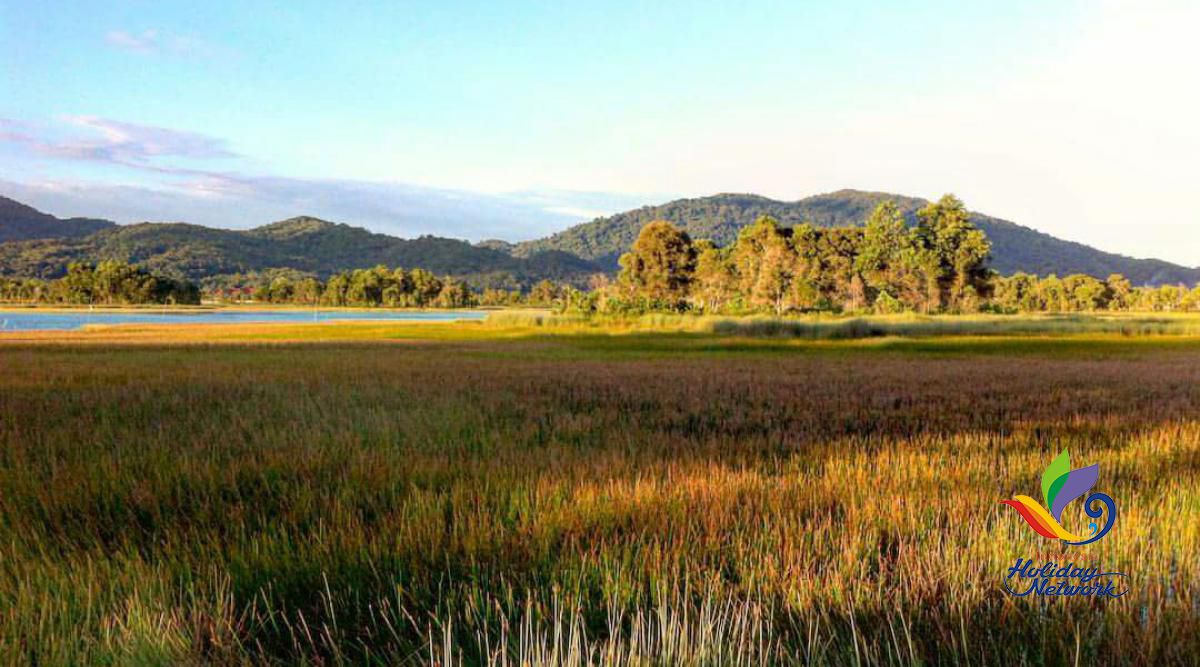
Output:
x=474 y=494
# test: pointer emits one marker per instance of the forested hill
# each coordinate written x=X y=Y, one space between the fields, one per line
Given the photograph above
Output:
x=718 y=218
x=35 y=244
x=20 y=222
x=304 y=244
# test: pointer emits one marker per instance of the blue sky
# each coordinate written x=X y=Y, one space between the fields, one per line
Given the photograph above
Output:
x=513 y=119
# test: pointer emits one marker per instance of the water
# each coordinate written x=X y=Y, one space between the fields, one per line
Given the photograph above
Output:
x=43 y=321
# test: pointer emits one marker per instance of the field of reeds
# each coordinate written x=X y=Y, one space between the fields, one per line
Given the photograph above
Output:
x=493 y=494
x=824 y=326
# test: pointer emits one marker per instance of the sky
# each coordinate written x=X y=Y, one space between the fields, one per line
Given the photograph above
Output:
x=515 y=119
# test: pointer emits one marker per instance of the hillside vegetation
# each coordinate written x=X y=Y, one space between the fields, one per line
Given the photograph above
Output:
x=19 y=222
x=304 y=244
x=34 y=244
x=720 y=218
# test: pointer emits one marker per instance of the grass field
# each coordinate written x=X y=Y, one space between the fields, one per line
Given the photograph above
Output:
x=507 y=494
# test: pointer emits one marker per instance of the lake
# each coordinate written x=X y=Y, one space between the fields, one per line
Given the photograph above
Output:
x=33 y=320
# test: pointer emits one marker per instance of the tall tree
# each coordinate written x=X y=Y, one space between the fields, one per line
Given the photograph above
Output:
x=1120 y=291
x=841 y=283
x=952 y=253
x=661 y=264
x=764 y=261
x=713 y=283
x=886 y=257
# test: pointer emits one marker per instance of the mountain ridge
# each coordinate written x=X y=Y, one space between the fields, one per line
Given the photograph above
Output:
x=21 y=222
x=310 y=244
x=304 y=243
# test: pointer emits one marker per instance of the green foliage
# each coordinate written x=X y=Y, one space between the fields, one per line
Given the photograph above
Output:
x=304 y=245
x=381 y=286
x=19 y=222
x=887 y=304
x=938 y=265
x=721 y=217
x=713 y=284
x=108 y=283
x=951 y=254
x=1022 y=292
x=661 y=264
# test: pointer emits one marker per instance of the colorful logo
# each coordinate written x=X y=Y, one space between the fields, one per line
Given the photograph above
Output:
x=1060 y=486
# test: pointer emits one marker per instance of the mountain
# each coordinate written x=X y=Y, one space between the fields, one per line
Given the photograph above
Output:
x=19 y=222
x=303 y=243
x=33 y=243
x=1014 y=247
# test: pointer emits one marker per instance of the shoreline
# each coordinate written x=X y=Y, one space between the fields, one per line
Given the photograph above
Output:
x=215 y=308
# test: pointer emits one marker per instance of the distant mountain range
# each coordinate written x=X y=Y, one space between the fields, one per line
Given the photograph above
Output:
x=303 y=243
x=720 y=217
x=33 y=243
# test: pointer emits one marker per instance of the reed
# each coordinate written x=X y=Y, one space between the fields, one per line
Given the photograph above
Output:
x=835 y=327
x=496 y=497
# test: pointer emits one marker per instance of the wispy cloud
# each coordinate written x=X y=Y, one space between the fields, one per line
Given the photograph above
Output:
x=105 y=140
x=179 y=175
x=241 y=202
x=153 y=41
x=586 y=205
x=143 y=42
x=142 y=142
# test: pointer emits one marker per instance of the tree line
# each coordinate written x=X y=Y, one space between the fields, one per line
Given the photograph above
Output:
x=937 y=265
x=940 y=264
x=378 y=286
x=110 y=282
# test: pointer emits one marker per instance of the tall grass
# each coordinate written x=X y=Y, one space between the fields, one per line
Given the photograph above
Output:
x=546 y=501
x=826 y=327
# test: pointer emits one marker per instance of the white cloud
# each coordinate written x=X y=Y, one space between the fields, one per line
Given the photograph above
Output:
x=1091 y=138
x=148 y=141
x=249 y=201
x=164 y=189
x=105 y=140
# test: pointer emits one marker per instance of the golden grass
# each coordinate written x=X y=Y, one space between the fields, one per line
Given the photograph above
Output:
x=495 y=495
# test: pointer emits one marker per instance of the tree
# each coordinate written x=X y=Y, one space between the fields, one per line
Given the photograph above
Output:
x=1084 y=293
x=454 y=294
x=280 y=290
x=764 y=262
x=714 y=281
x=425 y=287
x=79 y=284
x=660 y=265
x=1017 y=292
x=1052 y=295
x=335 y=290
x=841 y=283
x=809 y=269
x=952 y=254
x=545 y=293
x=886 y=256
x=1120 y=292
x=307 y=291
x=775 y=271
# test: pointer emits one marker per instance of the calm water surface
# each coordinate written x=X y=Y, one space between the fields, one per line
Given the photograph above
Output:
x=37 y=321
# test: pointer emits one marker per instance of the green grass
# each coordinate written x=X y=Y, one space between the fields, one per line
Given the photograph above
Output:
x=825 y=326
x=506 y=494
